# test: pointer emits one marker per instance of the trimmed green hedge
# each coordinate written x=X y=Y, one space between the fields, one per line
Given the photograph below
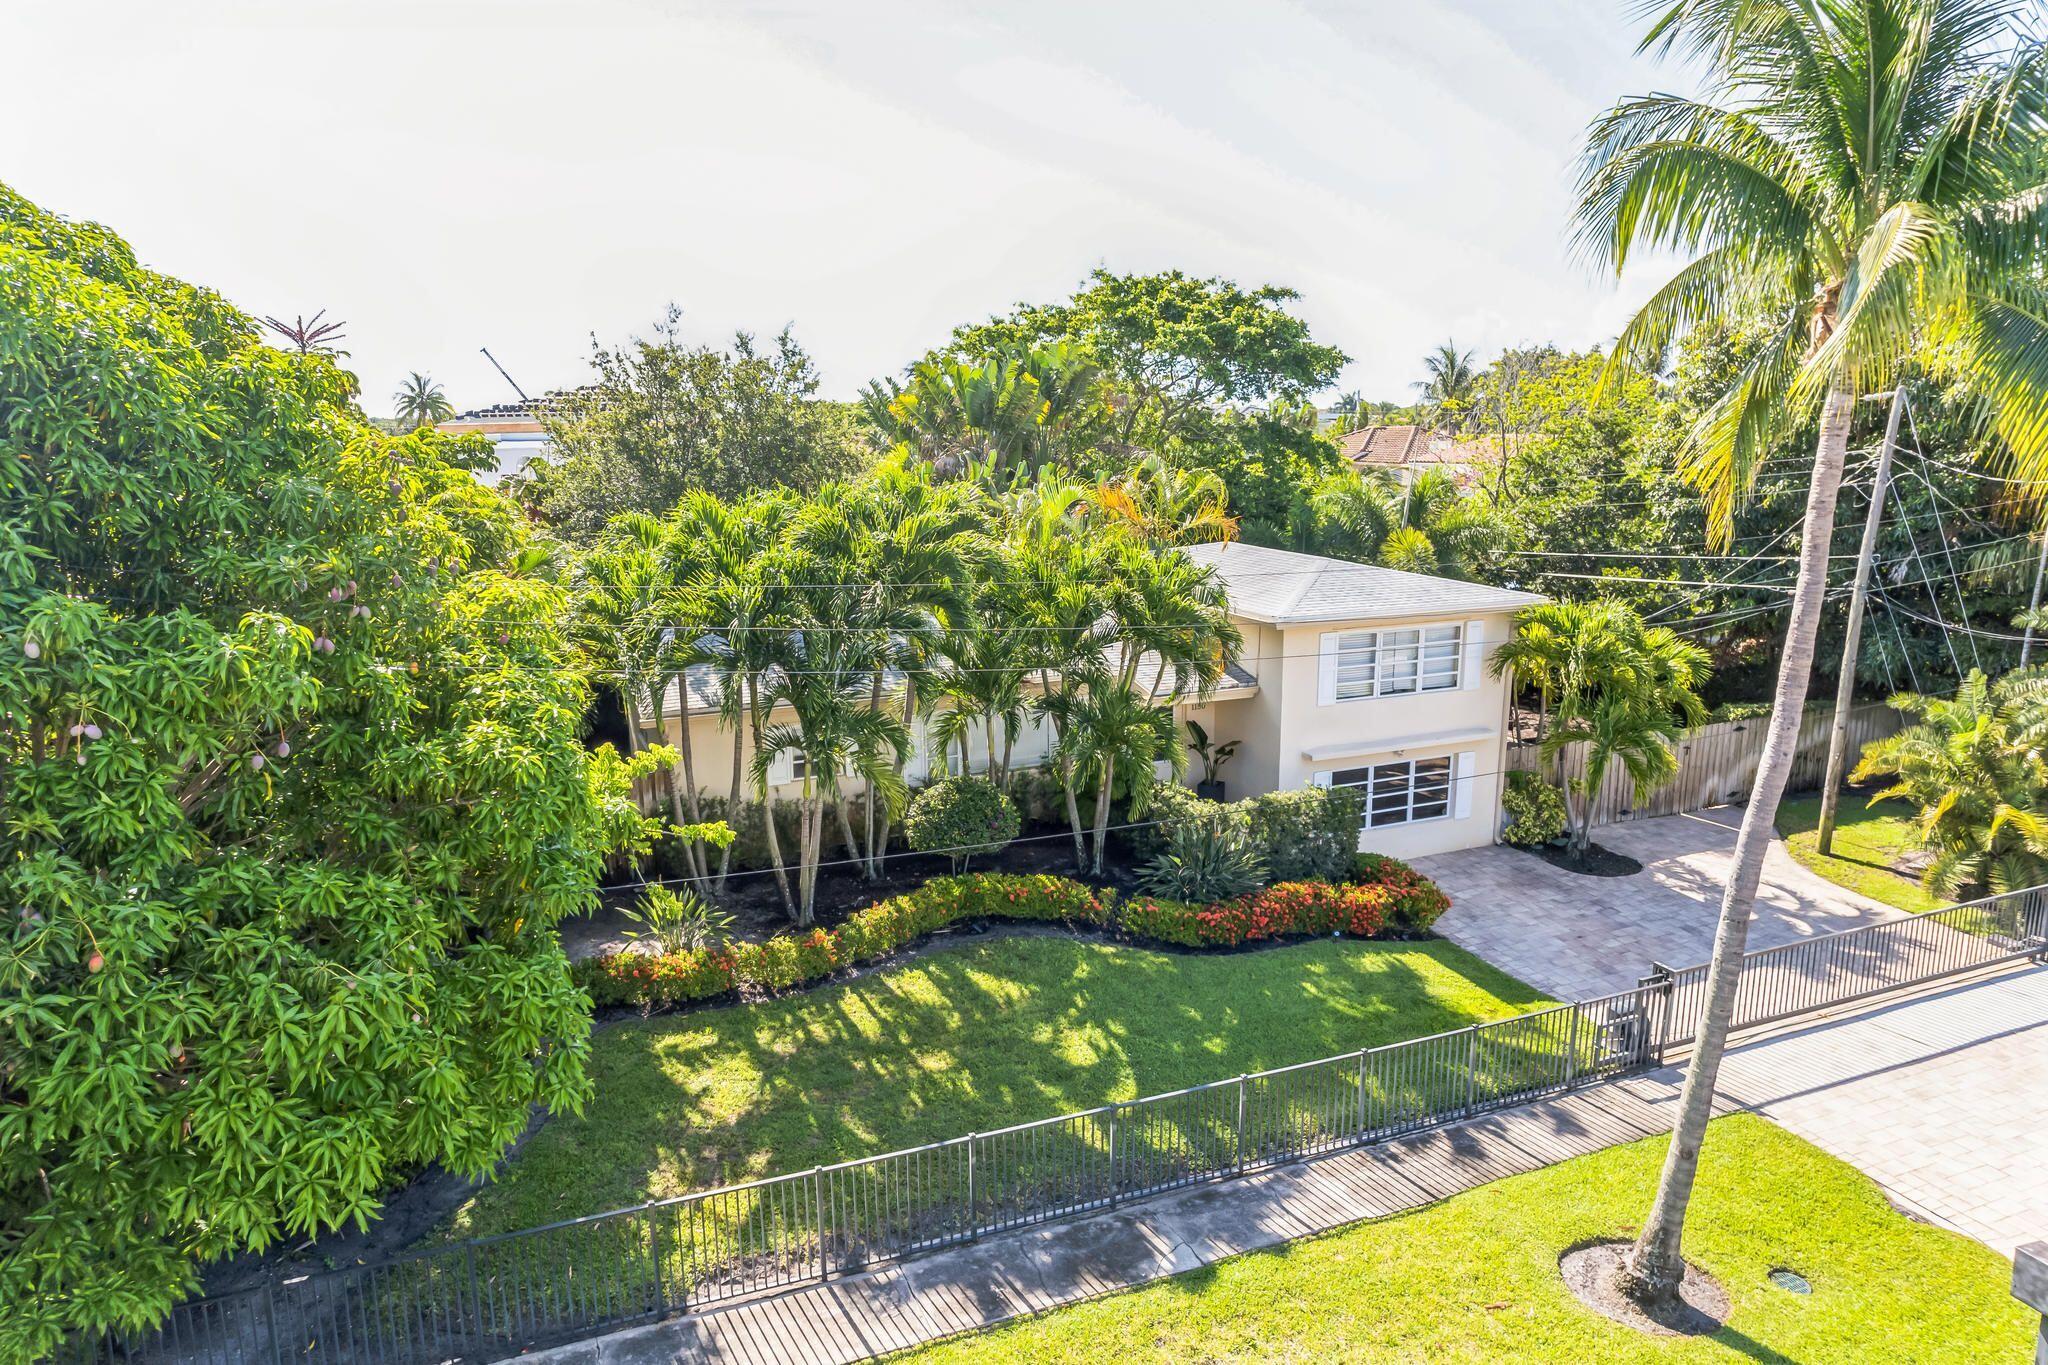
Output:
x=1383 y=895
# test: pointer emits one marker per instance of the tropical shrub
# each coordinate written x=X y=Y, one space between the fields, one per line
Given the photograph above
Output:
x=1414 y=902
x=1278 y=911
x=1534 y=810
x=294 y=795
x=1204 y=860
x=1304 y=834
x=1973 y=764
x=960 y=817
x=678 y=921
x=1172 y=807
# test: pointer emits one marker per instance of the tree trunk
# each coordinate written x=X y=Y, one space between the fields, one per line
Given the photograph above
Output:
x=1655 y=1265
x=879 y=849
x=753 y=694
x=698 y=862
x=1102 y=809
x=870 y=854
x=732 y=803
x=846 y=822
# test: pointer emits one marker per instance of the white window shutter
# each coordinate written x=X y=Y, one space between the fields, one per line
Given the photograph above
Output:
x=1467 y=765
x=1475 y=655
x=1326 y=669
x=782 y=769
x=1319 y=779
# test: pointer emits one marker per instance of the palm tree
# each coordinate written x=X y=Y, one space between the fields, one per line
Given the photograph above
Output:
x=1167 y=505
x=1861 y=176
x=996 y=416
x=1452 y=385
x=1165 y=635
x=1976 y=765
x=912 y=546
x=747 y=600
x=1625 y=690
x=823 y=675
x=1431 y=526
x=421 y=403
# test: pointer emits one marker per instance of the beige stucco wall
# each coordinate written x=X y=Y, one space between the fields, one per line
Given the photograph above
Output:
x=1277 y=726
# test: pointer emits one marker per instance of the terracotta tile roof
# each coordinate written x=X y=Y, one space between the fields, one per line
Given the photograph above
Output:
x=1397 y=447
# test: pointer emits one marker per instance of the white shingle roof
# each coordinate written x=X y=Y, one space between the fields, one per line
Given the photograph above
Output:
x=1285 y=588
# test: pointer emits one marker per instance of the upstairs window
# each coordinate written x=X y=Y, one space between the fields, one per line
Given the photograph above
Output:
x=1388 y=663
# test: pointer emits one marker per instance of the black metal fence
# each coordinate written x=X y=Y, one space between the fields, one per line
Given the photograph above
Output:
x=493 y=1297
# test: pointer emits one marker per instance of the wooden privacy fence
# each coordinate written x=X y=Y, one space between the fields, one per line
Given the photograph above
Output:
x=1716 y=763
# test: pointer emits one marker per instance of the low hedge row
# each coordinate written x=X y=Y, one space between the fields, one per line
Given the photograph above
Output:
x=1384 y=895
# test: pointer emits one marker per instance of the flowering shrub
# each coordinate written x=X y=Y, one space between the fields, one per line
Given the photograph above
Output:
x=1288 y=908
x=656 y=979
x=1414 y=902
x=1383 y=893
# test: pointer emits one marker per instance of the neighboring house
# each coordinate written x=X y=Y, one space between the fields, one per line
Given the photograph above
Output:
x=1350 y=675
x=514 y=429
x=1406 y=451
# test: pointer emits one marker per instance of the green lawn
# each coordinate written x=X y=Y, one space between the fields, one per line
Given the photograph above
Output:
x=1867 y=843
x=1475 y=1278
x=977 y=1038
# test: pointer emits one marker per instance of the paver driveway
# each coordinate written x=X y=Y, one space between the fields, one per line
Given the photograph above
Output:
x=1941 y=1098
x=1577 y=936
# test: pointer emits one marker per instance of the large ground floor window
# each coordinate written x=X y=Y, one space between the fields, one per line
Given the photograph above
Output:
x=1402 y=793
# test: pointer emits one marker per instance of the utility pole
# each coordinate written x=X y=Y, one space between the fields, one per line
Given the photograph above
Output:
x=1852 y=642
x=2034 y=603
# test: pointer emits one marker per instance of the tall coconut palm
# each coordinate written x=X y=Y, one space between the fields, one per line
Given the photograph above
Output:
x=421 y=403
x=1453 y=384
x=1861 y=176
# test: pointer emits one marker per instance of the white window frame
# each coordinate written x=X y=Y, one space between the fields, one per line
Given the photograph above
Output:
x=1399 y=788
x=1397 y=661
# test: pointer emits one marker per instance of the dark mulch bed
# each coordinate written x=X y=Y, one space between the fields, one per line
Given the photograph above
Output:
x=755 y=903
x=1597 y=862
x=1590 y=1273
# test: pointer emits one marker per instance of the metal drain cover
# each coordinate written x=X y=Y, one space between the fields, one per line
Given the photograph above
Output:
x=1790 y=1280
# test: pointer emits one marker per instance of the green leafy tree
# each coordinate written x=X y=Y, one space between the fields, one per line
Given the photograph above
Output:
x=293 y=790
x=1974 y=765
x=665 y=418
x=1865 y=178
x=960 y=817
x=1172 y=348
x=420 y=403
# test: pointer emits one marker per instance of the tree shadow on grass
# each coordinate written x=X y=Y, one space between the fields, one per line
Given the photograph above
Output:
x=974 y=1039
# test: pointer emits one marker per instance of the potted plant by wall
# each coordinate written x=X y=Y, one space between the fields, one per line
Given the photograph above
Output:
x=1213 y=757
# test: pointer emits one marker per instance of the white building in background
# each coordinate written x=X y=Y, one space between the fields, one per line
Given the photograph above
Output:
x=514 y=429
x=1349 y=675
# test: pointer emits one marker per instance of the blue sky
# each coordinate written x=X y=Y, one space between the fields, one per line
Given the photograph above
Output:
x=449 y=174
